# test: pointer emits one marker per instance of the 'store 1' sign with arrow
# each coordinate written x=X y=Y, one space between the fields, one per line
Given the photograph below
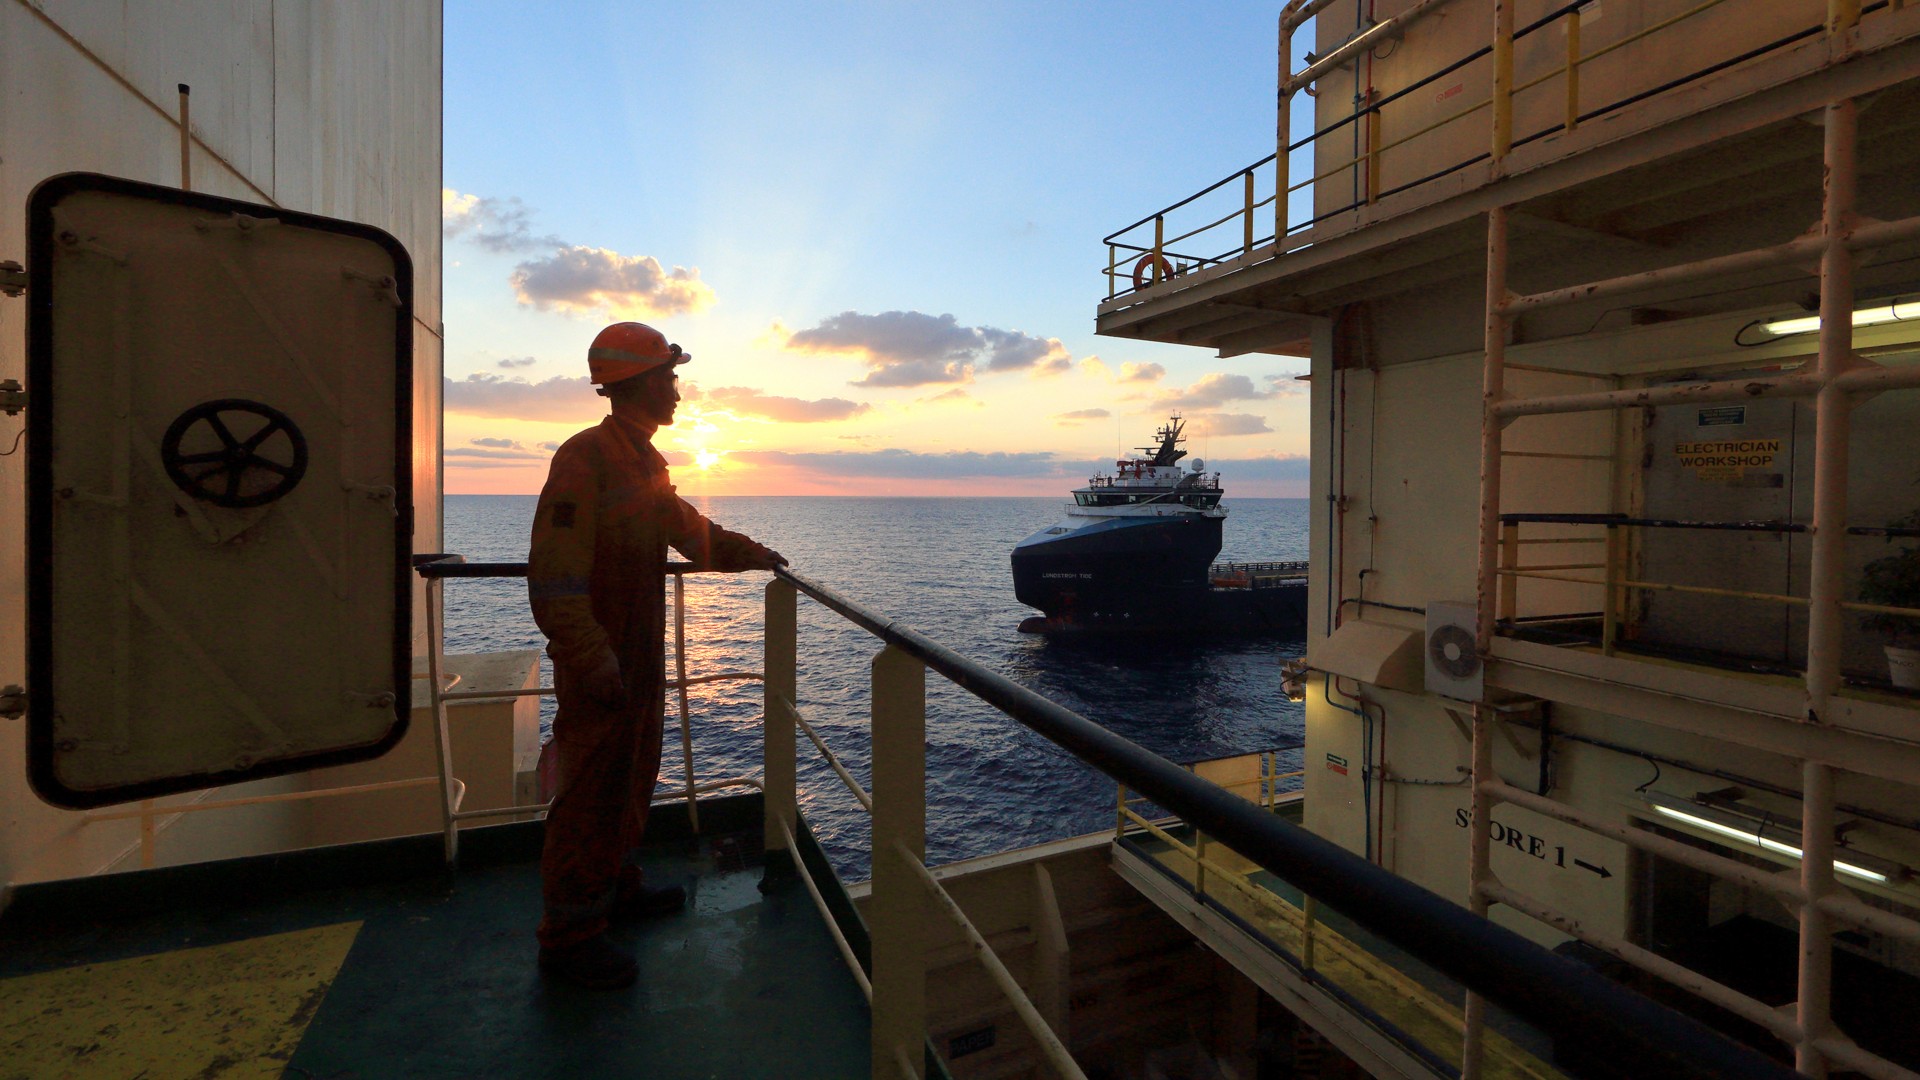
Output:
x=1536 y=847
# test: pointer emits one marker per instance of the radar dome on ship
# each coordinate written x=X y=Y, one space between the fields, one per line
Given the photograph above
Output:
x=1198 y=465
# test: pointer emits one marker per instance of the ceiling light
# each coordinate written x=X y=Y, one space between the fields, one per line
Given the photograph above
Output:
x=1864 y=317
x=1753 y=834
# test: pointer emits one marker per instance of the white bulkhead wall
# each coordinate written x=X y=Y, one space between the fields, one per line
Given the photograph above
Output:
x=1400 y=446
x=326 y=108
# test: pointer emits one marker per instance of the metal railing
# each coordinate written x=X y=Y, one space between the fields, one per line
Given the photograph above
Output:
x=1554 y=994
x=1227 y=220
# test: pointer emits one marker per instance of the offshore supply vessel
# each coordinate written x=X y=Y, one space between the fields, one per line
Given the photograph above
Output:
x=1135 y=554
x=1605 y=771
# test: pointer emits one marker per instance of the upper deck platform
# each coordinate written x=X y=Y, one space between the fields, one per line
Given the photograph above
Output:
x=1683 y=134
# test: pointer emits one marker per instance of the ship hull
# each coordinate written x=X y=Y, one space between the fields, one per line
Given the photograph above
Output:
x=1120 y=573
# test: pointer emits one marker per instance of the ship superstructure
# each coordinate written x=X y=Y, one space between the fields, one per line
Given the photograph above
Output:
x=1134 y=548
x=1610 y=312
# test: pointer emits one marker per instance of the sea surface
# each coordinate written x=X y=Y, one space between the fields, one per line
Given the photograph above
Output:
x=940 y=566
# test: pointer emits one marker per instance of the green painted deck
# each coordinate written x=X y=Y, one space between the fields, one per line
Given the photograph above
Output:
x=370 y=960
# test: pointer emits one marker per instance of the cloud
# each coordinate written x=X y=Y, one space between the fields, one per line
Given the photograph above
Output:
x=557 y=399
x=1211 y=392
x=1096 y=367
x=498 y=444
x=1286 y=385
x=1071 y=419
x=955 y=394
x=573 y=279
x=517 y=361
x=1146 y=373
x=580 y=280
x=486 y=454
x=744 y=399
x=1224 y=424
x=913 y=348
x=909 y=464
x=498 y=225
x=549 y=446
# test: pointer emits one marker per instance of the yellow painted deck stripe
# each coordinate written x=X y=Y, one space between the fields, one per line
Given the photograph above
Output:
x=229 y=1011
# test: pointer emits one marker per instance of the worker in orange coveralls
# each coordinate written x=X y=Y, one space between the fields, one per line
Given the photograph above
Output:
x=595 y=578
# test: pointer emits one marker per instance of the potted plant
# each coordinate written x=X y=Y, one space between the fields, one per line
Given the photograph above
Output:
x=1894 y=581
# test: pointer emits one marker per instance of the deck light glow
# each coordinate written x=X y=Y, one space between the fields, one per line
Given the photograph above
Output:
x=1753 y=837
x=1863 y=317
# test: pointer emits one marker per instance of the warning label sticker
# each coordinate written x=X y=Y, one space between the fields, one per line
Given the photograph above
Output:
x=1726 y=459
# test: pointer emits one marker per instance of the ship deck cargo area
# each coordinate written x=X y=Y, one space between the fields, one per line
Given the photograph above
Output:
x=372 y=960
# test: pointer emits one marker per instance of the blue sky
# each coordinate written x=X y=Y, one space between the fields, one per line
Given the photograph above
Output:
x=830 y=181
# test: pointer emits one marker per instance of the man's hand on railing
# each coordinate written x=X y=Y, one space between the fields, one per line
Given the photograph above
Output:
x=768 y=559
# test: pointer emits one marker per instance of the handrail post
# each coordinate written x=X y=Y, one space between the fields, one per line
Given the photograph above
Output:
x=1502 y=79
x=779 y=665
x=1610 y=605
x=1510 y=562
x=443 y=753
x=1283 y=136
x=1113 y=270
x=680 y=673
x=1159 y=247
x=1246 y=239
x=1573 y=69
x=1308 y=916
x=899 y=912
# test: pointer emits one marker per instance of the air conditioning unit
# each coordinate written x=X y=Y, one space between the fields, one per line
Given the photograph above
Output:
x=1453 y=666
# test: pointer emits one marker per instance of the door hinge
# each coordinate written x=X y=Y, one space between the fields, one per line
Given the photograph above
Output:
x=13 y=278
x=13 y=702
x=13 y=397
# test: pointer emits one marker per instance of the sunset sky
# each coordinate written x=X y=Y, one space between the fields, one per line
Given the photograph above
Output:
x=877 y=227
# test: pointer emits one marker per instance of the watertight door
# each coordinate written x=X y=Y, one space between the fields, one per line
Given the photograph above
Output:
x=218 y=476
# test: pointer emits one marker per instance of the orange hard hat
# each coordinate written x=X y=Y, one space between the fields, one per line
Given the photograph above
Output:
x=626 y=349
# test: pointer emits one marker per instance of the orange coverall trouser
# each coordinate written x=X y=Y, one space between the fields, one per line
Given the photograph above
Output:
x=595 y=580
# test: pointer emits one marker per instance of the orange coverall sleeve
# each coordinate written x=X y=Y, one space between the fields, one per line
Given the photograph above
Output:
x=706 y=545
x=560 y=561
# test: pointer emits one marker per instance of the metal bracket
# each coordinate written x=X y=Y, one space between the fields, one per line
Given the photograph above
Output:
x=13 y=701
x=13 y=397
x=13 y=279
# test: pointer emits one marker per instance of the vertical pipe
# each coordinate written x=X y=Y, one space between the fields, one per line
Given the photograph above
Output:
x=1502 y=79
x=1052 y=956
x=1493 y=389
x=680 y=674
x=1832 y=438
x=186 y=141
x=1842 y=15
x=1120 y=814
x=1113 y=271
x=899 y=907
x=779 y=686
x=1573 y=69
x=450 y=834
x=1246 y=240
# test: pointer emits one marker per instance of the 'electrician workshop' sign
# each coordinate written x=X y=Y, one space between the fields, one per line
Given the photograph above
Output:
x=1726 y=459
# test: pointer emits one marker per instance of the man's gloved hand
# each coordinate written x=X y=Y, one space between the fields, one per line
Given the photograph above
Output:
x=768 y=559
x=603 y=684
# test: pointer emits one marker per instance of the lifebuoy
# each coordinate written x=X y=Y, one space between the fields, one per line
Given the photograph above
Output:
x=1152 y=269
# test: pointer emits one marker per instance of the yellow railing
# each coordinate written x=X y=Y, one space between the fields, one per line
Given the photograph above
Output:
x=1616 y=587
x=1433 y=1025
x=1152 y=251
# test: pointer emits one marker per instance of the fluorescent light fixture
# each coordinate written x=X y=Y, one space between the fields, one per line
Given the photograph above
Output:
x=1864 y=317
x=1752 y=836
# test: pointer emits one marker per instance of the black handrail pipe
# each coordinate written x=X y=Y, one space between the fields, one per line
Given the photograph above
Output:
x=1559 y=996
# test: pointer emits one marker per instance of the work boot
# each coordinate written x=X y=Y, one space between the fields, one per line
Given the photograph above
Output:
x=596 y=964
x=646 y=902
